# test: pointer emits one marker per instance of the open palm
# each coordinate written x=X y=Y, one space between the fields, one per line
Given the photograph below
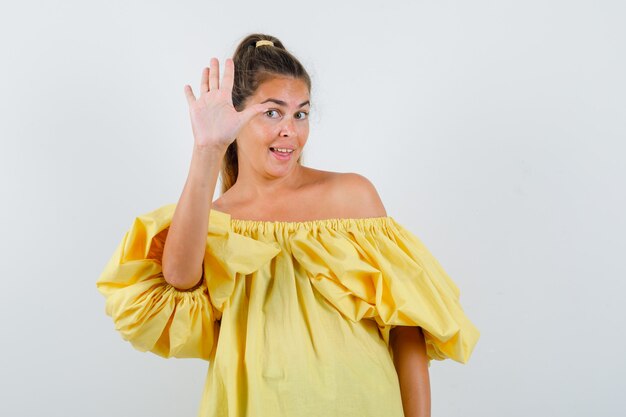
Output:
x=214 y=119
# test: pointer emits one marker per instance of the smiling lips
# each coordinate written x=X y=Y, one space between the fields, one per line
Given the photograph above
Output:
x=281 y=153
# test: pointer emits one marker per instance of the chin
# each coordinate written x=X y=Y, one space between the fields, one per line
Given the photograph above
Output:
x=279 y=172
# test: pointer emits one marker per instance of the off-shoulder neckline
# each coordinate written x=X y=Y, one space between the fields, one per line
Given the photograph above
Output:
x=332 y=220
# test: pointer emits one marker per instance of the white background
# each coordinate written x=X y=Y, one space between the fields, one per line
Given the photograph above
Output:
x=494 y=130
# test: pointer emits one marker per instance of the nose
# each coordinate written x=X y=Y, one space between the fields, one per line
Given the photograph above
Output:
x=287 y=129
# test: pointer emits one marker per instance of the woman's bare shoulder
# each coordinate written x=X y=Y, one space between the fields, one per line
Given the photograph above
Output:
x=345 y=194
x=357 y=195
x=323 y=194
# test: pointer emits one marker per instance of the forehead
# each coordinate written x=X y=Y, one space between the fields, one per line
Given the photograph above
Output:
x=293 y=91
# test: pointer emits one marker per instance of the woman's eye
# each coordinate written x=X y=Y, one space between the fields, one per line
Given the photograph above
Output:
x=272 y=113
x=302 y=115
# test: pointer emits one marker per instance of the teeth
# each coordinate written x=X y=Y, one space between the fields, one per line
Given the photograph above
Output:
x=283 y=149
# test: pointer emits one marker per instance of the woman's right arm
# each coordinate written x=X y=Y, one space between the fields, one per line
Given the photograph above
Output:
x=186 y=239
x=215 y=124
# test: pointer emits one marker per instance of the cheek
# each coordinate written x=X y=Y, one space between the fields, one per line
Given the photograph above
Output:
x=303 y=133
x=264 y=129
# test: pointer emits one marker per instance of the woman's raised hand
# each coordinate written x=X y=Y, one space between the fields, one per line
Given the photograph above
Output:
x=215 y=121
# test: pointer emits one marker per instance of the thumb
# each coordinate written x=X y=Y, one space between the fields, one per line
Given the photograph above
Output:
x=251 y=111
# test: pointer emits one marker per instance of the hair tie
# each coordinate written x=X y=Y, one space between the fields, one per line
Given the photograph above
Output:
x=264 y=42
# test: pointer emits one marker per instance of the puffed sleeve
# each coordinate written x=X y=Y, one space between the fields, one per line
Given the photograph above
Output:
x=155 y=316
x=376 y=269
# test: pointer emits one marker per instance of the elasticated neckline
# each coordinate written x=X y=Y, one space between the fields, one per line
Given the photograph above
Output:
x=331 y=223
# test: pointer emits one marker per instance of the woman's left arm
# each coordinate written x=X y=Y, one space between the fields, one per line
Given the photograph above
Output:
x=411 y=362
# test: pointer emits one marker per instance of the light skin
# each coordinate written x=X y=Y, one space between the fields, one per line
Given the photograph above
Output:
x=275 y=115
x=286 y=125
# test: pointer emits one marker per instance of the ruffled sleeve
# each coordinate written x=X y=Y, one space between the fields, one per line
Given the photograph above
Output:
x=376 y=269
x=155 y=316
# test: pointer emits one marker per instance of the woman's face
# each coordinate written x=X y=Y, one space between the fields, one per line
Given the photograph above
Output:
x=284 y=125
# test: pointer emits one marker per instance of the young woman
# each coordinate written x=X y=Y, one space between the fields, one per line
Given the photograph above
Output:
x=306 y=298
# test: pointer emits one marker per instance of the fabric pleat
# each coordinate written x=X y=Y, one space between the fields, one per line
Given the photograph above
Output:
x=155 y=316
x=378 y=270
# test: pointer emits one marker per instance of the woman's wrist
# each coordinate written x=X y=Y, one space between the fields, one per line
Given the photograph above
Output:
x=205 y=165
x=214 y=150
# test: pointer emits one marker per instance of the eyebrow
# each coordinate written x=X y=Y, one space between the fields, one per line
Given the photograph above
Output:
x=282 y=103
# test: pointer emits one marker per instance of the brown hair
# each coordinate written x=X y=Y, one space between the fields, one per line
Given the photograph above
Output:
x=253 y=66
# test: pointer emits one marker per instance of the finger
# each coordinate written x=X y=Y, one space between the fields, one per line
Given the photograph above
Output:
x=214 y=74
x=204 y=82
x=189 y=94
x=229 y=76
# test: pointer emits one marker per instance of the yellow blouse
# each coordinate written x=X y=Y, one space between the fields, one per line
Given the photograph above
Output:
x=293 y=317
